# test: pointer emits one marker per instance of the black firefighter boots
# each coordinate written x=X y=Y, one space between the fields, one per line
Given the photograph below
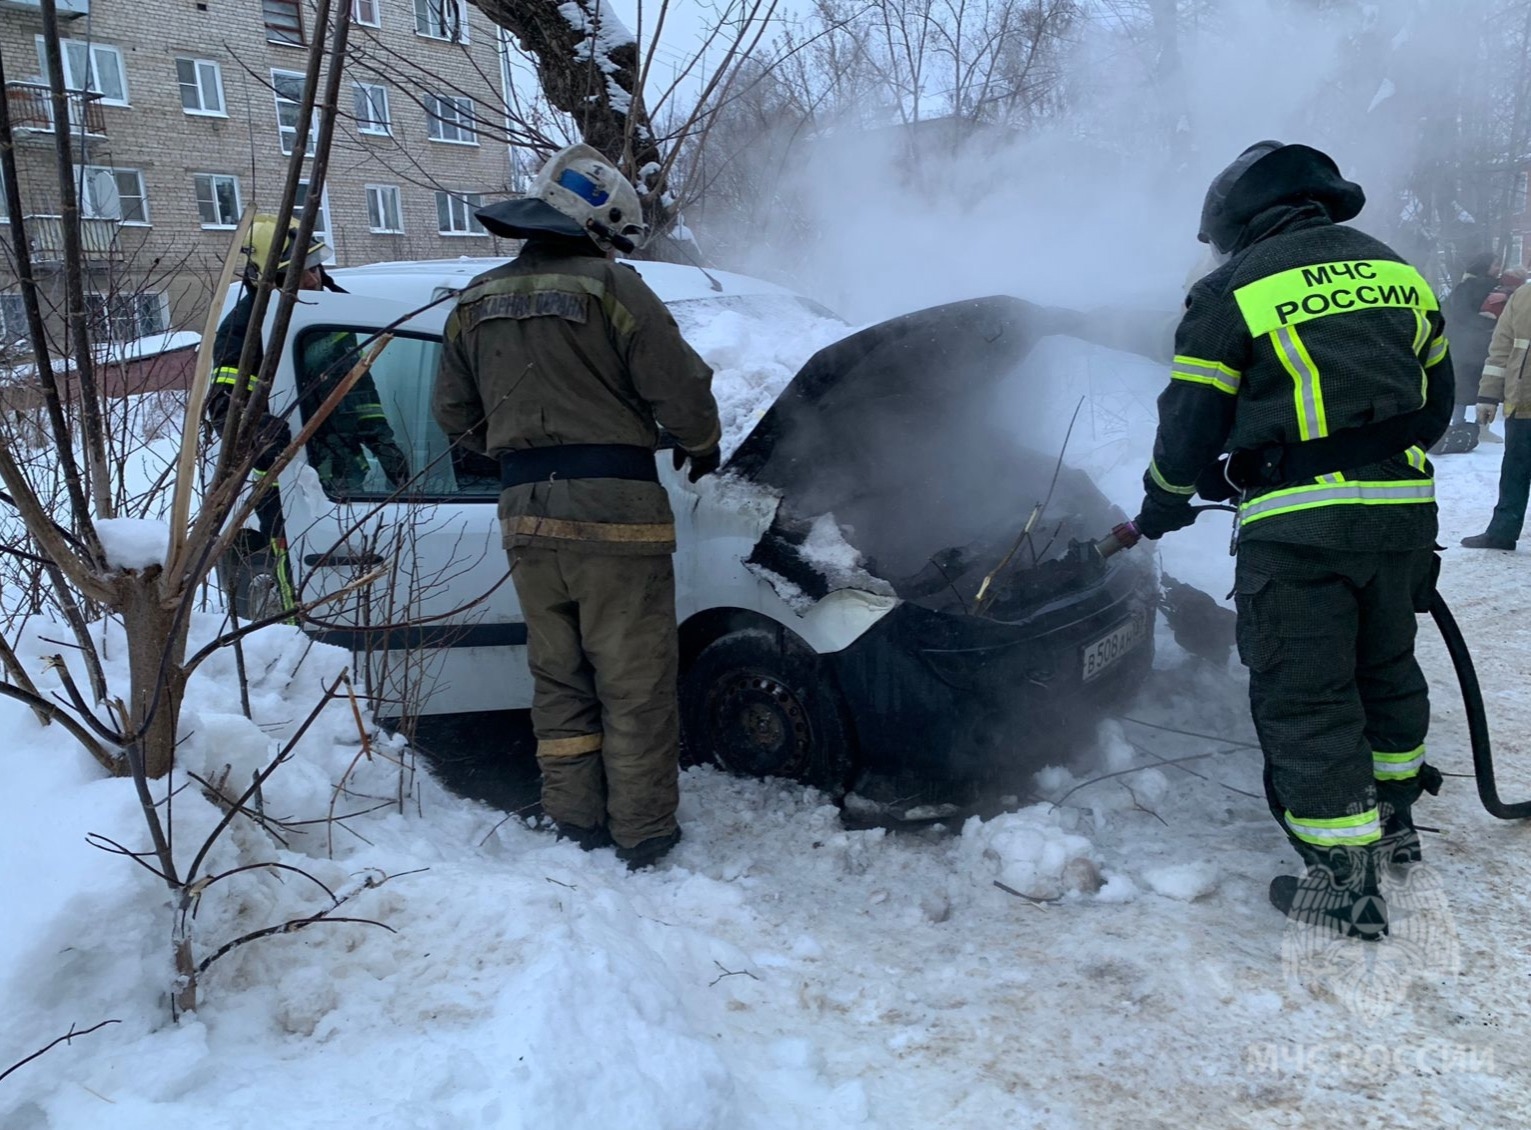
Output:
x=586 y=839
x=1338 y=893
x=649 y=852
x=1489 y=541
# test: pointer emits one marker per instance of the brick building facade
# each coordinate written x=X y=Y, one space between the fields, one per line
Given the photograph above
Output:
x=185 y=111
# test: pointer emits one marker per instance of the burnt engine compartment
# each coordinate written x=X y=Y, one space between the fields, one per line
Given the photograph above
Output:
x=898 y=432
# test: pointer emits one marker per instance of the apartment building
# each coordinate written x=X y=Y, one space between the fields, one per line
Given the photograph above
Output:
x=184 y=111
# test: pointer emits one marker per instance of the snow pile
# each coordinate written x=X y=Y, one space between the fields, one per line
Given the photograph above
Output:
x=134 y=543
x=1032 y=852
x=753 y=358
x=1184 y=881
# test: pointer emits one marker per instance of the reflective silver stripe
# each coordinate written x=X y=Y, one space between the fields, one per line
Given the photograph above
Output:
x=1309 y=401
x=1493 y=370
x=1397 y=766
x=1416 y=458
x=1437 y=351
x=1220 y=377
x=1322 y=494
x=1523 y=343
x=1421 y=332
x=1362 y=829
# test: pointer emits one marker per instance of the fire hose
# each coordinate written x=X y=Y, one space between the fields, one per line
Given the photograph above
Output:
x=1126 y=535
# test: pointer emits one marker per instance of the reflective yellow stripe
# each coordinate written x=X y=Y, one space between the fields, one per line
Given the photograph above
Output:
x=1337 y=477
x=1307 y=394
x=1437 y=352
x=1289 y=298
x=1164 y=484
x=1335 y=831
x=1397 y=766
x=1317 y=495
x=1215 y=374
x=284 y=578
x=1416 y=458
x=577 y=746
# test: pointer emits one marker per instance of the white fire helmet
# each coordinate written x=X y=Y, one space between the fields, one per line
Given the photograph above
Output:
x=585 y=187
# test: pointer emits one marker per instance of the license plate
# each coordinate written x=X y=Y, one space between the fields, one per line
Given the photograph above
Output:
x=1100 y=655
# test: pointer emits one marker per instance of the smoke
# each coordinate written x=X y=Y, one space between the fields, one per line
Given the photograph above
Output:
x=1099 y=205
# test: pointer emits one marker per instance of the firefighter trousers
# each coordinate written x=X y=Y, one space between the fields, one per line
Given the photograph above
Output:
x=1339 y=702
x=604 y=655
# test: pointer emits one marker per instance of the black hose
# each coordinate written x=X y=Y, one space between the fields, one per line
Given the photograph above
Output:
x=1477 y=720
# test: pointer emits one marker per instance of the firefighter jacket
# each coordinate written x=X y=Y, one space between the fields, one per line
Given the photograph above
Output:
x=559 y=347
x=357 y=424
x=1311 y=328
x=1507 y=374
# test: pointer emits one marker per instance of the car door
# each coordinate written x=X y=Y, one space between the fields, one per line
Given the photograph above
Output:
x=438 y=628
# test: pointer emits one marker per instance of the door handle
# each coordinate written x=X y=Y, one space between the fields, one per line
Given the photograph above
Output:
x=343 y=560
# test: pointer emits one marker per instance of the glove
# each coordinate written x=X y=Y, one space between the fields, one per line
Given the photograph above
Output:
x=1487 y=410
x=1212 y=484
x=1160 y=516
x=704 y=464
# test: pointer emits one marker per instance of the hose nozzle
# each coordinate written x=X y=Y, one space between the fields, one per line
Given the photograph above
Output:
x=1121 y=537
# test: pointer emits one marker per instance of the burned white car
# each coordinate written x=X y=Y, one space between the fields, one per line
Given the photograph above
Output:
x=866 y=598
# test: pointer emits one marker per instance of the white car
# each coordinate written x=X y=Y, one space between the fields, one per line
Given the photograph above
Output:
x=827 y=583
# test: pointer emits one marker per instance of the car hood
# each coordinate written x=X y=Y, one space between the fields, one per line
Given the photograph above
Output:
x=890 y=439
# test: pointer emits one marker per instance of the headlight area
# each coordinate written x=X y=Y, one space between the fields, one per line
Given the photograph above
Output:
x=969 y=697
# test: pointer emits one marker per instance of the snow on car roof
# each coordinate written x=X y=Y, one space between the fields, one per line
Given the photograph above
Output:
x=422 y=278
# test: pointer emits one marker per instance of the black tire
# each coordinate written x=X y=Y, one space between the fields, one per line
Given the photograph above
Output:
x=760 y=703
x=247 y=575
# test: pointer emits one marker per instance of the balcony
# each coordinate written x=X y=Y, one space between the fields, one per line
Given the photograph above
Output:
x=31 y=106
x=45 y=233
x=67 y=9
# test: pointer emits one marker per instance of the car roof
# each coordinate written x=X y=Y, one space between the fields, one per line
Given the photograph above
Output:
x=421 y=280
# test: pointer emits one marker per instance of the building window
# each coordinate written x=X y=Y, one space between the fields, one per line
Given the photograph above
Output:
x=384 y=214
x=112 y=194
x=1517 y=256
x=90 y=66
x=321 y=221
x=13 y=319
x=217 y=199
x=372 y=109
x=288 y=88
x=450 y=119
x=125 y=317
x=365 y=12
x=201 y=86
x=454 y=213
x=284 y=21
x=442 y=19
x=1522 y=188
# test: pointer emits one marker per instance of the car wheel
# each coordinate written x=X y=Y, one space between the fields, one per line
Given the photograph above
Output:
x=247 y=575
x=760 y=703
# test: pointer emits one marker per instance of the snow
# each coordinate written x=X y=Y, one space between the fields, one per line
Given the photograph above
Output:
x=777 y=971
x=1385 y=90
x=134 y=543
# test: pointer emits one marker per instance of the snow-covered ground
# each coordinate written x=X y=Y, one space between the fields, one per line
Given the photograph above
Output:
x=778 y=971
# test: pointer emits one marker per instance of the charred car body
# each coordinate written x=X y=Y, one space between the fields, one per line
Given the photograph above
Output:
x=866 y=599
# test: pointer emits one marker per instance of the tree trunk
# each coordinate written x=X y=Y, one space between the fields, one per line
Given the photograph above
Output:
x=156 y=653
x=594 y=79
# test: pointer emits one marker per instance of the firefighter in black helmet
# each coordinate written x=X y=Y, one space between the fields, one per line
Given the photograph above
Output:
x=338 y=448
x=1314 y=362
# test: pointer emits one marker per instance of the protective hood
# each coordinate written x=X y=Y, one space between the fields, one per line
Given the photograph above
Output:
x=1266 y=175
x=526 y=216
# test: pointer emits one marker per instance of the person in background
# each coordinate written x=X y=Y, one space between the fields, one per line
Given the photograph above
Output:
x=1470 y=332
x=1507 y=382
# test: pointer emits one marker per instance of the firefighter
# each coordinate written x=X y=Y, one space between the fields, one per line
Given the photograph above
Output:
x=564 y=366
x=358 y=424
x=1314 y=360
x=1506 y=380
